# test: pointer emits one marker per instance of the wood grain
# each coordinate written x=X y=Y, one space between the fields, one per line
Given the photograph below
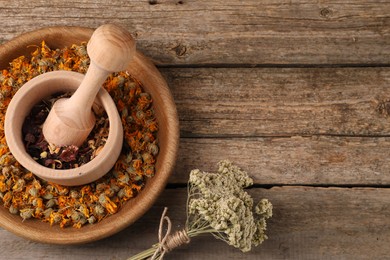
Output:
x=187 y=32
x=324 y=160
x=322 y=126
x=294 y=92
x=308 y=223
x=238 y=102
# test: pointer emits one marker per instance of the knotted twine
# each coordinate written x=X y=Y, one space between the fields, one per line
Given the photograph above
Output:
x=169 y=241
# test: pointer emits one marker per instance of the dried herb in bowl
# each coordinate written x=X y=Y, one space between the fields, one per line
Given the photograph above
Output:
x=30 y=197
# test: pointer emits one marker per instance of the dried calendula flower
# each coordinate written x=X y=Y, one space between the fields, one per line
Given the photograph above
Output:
x=55 y=217
x=31 y=197
x=7 y=198
x=219 y=205
x=109 y=205
x=19 y=185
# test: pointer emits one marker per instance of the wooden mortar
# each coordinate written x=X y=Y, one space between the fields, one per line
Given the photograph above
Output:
x=70 y=120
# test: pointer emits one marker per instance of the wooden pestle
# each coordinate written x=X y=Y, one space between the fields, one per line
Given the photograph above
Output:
x=70 y=120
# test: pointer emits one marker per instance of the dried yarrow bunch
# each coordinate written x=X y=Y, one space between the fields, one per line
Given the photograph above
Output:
x=22 y=193
x=219 y=205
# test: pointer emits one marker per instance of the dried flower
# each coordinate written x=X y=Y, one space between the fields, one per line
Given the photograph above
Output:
x=61 y=157
x=24 y=194
x=219 y=205
x=26 y=213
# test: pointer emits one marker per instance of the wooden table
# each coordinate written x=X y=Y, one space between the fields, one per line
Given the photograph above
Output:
x=297 y=93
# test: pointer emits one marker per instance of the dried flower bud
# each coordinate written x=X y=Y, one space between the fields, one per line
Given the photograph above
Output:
x=140 y=114
x=149 y=170
x=123 y=178
x=48 y=196
x=9 y=182
x=264 y=208
x=6 y=171
x=33 y=192
x=99 y=210
x=129 y=158
x=91 y=143
x=147 y=158
x=109 y=192
x=13 y=210
x=28 y=176
x=50 y=188
x=62 y=190
x=74 y=194
x=153 y=149
x=37 y=202
x=130 y=170
x=82 y=221
x=55 y=218
x=101 y=187
x=97 y=151
x=51 y=203
x=26 y=213
x=125 y=112
x=75 y=216
x=19 y=185
x=121 y=193
x=47 y=213
x=91 y=219
x=7 y=198
x=114 y=187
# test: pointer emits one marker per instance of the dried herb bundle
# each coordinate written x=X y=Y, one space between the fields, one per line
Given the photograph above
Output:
x=30 y=197
x=217 y=204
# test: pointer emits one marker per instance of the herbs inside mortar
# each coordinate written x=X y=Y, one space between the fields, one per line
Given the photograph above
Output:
x=62 y=157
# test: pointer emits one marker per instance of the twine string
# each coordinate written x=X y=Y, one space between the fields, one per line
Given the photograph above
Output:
x=169 y=241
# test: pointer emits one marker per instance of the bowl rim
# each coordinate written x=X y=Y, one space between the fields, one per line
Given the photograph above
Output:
x=142 y=69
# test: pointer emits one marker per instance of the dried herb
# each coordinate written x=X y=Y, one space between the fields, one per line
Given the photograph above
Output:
x=65 y=157
x=217 y=204
x=25 y=194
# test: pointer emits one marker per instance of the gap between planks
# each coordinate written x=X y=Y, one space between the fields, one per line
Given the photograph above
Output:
x=272 y=65
x=249 y=102
x=302 y=32
x=308 y=223
x=318 y=161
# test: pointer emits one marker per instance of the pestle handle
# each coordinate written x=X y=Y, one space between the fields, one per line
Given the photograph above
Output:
x=111 y=48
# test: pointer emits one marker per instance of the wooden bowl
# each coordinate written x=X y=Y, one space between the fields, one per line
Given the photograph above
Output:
x=168 y=136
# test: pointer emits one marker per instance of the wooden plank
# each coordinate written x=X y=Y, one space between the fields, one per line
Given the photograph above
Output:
x=317 y=160
x=308 y=223
x=225 y=31
x=281 y=102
